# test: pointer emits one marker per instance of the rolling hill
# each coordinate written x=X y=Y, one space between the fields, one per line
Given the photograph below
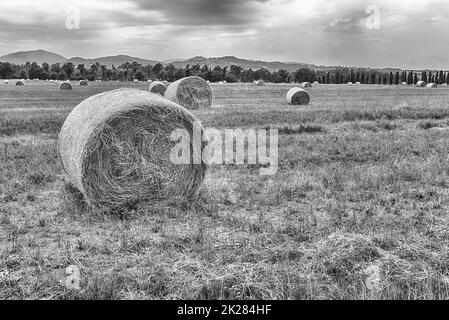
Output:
x=38 y=56
x=110 y=60
x=45 y=56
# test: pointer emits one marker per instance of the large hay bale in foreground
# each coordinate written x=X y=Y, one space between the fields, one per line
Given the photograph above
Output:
x=421 y=84
x=20 y=83
x=306 y=85
x=190 y=92
x=432 y=85
x=82 y=83
x=115 y=149
x=298 y=96
x=157 y=87
x=65 y=86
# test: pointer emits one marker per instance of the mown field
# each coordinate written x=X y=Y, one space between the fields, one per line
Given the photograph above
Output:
x=363 y=184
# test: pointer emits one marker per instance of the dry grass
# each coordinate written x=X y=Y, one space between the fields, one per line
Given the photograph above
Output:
x=362 y=185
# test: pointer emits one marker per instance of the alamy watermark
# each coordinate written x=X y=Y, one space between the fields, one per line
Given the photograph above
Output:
x=73 y=18
x=227 y=147
x=372 y=22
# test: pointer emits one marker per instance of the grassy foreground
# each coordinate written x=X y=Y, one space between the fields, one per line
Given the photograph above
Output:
x=357 y=210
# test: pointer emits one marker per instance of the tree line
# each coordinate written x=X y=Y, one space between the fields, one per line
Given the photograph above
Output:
x=130 y=71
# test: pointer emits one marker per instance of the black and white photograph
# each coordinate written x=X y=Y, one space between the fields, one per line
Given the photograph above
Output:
x=203 y=151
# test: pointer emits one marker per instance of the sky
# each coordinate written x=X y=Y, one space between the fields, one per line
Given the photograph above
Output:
x=373 y=33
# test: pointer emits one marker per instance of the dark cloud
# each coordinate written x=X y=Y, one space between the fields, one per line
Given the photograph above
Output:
x=203 y=12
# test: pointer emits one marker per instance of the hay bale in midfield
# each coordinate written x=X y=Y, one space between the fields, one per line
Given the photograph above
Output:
x=6 y=81
x=421 y=84
x=20 y=83
x=65 y=86
x=403 y=83
x=260 y=82
x=157 y=87
x=115 y=149
x=432 y=85
x=316 y=83
x=349 y=82
x=82 y=83
x=357 y=83
x=298 y=96
x=306 y=85
x=190 y=92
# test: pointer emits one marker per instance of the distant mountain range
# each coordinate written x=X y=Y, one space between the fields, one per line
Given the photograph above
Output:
x=40 y=56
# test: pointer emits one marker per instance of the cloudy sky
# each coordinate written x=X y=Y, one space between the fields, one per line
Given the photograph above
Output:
x=381 y=33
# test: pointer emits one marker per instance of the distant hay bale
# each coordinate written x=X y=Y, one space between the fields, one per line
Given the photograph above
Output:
x=6 y=81
x=115 y=149
x=298 y=96
x=82 y=83
x=404 y=83
x=421 y=84
x=306 y=85
x=357 y=83
x=349 y=82
x=432 y=85
x=316 y=83
x=20 y=83
x=220 y=82
x=260 y=82
x=157 y=87
x=135 y=80
x=190 y=92
x=65 y=86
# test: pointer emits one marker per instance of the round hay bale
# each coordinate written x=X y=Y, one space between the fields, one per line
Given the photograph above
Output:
x=82 y=83
x=357 y=83
x=316 y=83
x=115 y=149
x=190 y=92
x=421 y=84
x=298 y=96
x=65 y=86
x=158 y=87
x=403 y=83
x=20 y=83
x=432 y=85
x=6 y=81
x=260 y=82
x=306 y=85
x=135 y=80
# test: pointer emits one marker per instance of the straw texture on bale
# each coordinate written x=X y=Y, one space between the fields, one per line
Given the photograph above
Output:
x=190 y=92
x=83 y=83
x=432 y=85
x=65 y=86
x=158 y=87
x=260 y=82
x=20 y=83
x=115 y=149
x=421 y=84
x=298 y=96
x=306 y=85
